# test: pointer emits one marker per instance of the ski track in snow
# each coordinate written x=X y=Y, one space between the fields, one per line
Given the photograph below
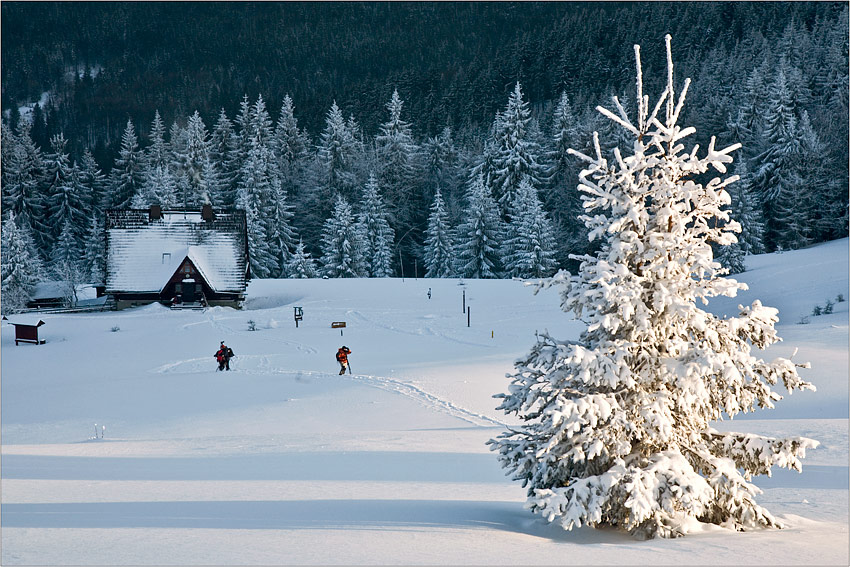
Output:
x=262 y=365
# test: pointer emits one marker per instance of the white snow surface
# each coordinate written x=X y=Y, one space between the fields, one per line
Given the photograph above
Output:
x=283 y=461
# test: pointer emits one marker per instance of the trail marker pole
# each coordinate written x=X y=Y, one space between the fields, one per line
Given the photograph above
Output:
x=464 y=301
x=468 y=311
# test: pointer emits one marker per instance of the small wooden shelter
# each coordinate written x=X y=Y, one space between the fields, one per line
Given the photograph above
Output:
x=27 y=332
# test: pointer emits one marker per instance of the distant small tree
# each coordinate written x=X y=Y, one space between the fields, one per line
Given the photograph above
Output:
x=479 y=236
x=617 y=425
x=531 y=240
x=438 y=241
x=301 y=265
x=378 y=236
x=342 y=244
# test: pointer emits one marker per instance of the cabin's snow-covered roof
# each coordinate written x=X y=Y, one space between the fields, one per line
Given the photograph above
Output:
x=143 y=254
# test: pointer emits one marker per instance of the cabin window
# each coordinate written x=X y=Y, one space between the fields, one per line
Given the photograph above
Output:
x=166 y=257
x=178 y=288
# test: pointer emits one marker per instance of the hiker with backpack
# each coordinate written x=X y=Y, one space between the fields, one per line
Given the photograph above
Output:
x=223 y=356
x=342 y=358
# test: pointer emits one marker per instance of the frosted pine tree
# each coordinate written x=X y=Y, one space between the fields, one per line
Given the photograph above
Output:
x=67 y=197
x=479 y=235
x=224 y=151
x=438 y=241
x=94 y=258
x=301 y=265
x=93 y=179
x=560 y=194
x=127 y=175
x=335 y=156
x=66 y=264
x=159 y=186
x=531 y=240
x=517 y=153
x=378 y=236
x=398 y=159
x=342 y=244
x=22 y=192
x=617 y=425
x=20 y=266
x=280 y=229
x=289 y=145
x=200 y=174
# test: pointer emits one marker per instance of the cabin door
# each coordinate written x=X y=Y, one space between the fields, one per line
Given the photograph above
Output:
x=189 y=291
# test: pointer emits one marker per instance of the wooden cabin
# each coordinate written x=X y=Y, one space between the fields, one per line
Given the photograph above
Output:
x=196 y=257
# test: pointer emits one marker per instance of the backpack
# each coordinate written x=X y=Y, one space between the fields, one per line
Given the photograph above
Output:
x=339 y=355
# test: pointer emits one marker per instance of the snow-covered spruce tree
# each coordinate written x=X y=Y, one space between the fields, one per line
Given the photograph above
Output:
x=20 y=265
x=94 y=257
x=517 y=153
x=479 y=236
x=22 y=193
x=398 y=158
x=201 y=175
x=438 y=241
x=342 y=244
x=618 y=424
x=127 y=175
x=224 y=152
x=531 y=240
x=301 y=265
x=378 y=236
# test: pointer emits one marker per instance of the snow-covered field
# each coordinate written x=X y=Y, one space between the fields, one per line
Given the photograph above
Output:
x=283 y=461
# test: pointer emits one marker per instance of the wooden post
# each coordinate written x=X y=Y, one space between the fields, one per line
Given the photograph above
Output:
x=468 y=311
x=464 y=301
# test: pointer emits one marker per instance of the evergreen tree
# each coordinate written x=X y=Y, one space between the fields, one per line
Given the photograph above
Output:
x=94 y=263
x=342 y=244
x=253 y=195
x=289 y=145
x=746 y=209
x=224 y=152
x=93 y=180
x=22 y=191
x=335 y=156
x=517 y=153
x=201 y=176
x=442 y=167
x=398 y=155
x=377 y=234
x=531 y=240
x=66 y=264
x=560 y=196
x=178 y=146
x=20 y=266
x=127 y=175
x=67 y=198
x=479 y=236
x=301 y=265
x=438 y=241
x=281 y=232
x=617 y=425
x=159 y=187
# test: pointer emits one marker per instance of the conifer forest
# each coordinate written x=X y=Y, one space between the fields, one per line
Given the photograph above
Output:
x=389 y=139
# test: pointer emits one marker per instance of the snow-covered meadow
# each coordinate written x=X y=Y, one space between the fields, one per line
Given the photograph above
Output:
x=283 y=461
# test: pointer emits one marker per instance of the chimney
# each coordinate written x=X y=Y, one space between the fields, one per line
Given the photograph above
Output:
x=207 y=212
x=155 y=212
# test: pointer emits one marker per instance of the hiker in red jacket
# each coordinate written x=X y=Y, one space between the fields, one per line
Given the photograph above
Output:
x=342 y=358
